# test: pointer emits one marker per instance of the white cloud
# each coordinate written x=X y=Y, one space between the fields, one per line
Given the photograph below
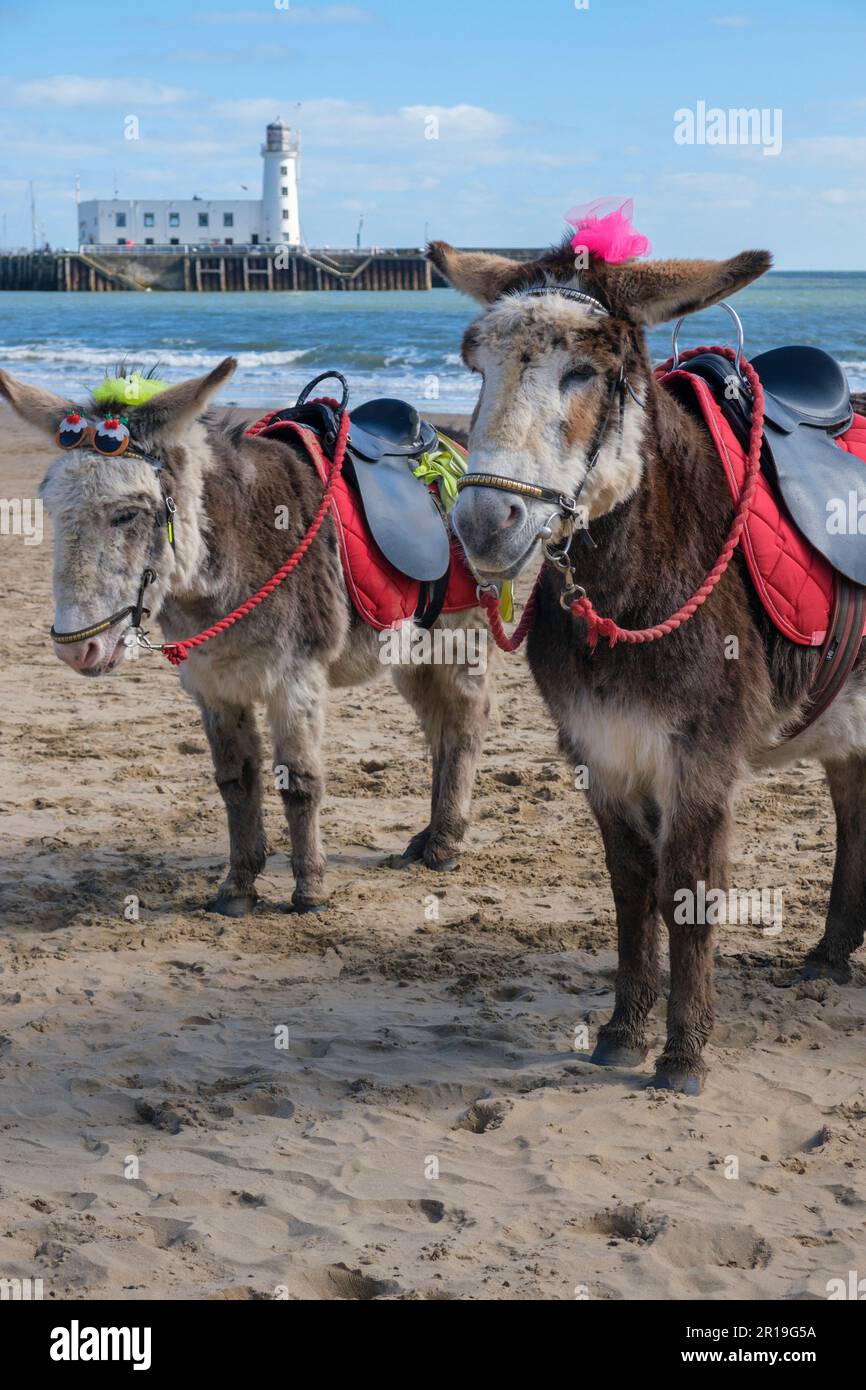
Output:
x=331 y=121
x=131 y=93
x=457 y=122
x=841 y=197
x=846 y=149
x=713 y=190
x=289 y=14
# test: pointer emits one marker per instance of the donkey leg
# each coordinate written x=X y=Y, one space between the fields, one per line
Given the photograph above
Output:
x=453 y=706
x=632 y=864
x=695 y=851
x=297 y=722
x=846 y=917
x=236 y=751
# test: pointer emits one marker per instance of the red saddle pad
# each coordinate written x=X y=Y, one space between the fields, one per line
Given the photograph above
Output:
x=794 y=581
x=382 y=596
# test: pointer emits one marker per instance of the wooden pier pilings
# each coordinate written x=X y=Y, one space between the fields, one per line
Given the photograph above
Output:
x=221 y=270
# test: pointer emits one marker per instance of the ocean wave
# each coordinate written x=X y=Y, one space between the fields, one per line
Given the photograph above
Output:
x=78 y=356
x=856 y=373
x=266 y=379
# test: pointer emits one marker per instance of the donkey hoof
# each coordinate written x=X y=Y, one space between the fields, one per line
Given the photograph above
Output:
x=414 y=851
x=823 y=970
x=439 y=858
x=687 y=1083
x=233 y=904
x=610 y=1053
x=440 y=864
x=306 y=905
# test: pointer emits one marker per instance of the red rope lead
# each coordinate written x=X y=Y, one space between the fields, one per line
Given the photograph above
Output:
x=608 y=627
x=177 y=652
x=598 y=626
x=490 y=603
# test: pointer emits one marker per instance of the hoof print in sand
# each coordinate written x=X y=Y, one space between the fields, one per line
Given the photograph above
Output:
x=342 y=1282
x=626 y=1223
x=160 y=1116
x=481 y=1117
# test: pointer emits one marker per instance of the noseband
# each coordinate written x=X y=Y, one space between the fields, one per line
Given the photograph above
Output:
x=136 y=610
x=567 y=507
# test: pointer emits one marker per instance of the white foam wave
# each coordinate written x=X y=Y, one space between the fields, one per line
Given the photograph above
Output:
x=82 y=357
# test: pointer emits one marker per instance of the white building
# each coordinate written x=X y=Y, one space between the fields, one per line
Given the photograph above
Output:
x=274 y=218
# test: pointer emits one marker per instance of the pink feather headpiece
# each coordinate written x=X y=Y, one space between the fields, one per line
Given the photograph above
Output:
x=610 y=236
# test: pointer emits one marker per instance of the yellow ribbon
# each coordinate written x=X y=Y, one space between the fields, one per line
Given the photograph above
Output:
x=445 y=468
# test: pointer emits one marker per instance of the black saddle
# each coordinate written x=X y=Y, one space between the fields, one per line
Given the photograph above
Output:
x=806 y=405
x=386 y=441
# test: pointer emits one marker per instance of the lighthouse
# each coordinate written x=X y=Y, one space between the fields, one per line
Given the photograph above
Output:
x=281 y=220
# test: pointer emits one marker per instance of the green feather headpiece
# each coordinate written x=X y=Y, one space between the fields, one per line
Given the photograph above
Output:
x=117 y=392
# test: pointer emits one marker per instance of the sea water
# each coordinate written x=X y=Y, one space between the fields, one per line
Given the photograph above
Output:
x=388 y=344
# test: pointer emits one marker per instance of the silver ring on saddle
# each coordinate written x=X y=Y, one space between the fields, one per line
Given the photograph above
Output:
x=741 y=341
x=807 y=405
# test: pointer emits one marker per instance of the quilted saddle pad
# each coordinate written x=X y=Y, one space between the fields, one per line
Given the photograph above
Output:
x=381 y=595
x=794 y=581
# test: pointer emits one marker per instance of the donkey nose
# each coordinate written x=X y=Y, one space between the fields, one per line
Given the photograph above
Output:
x=79 y=655
x=484 y=516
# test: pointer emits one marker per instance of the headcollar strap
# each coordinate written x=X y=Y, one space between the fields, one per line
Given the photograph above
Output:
x=156 y=464
x=567 y=292
x=137 y=610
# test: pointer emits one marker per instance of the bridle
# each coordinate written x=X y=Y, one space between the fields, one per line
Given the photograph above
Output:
x=568 y=511
x=177 y=652
x=135 y=611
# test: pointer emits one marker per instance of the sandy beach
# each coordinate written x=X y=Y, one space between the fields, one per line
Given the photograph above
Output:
x=386 y=1101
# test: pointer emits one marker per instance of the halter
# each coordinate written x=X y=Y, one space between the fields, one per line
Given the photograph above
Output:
x=567 y=507
x=136 y=610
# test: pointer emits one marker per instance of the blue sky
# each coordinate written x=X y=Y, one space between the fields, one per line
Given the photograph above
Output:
x=540 y=105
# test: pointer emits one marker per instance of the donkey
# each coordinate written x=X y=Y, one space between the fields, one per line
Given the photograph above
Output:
x=668 y=729
x=110 y=526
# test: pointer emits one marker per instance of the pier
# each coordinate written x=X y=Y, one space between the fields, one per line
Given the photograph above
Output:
x=223 y=269
x=218 y=270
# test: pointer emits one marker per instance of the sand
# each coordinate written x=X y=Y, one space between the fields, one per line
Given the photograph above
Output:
x=430 y=1129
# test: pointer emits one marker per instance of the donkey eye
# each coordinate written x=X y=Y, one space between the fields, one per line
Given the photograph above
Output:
x=125 y=518
x=577 y=376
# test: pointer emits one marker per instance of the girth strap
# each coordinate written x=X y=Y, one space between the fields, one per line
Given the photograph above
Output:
x=839 y=652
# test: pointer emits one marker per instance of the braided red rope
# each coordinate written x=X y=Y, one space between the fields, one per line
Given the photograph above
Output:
x=598 y=626
x=490 y=603
x=177 y=652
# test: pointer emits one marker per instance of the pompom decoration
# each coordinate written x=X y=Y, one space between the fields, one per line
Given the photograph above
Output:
x=72 y=430
x=111 y=436
x=131 y=390
x=609 y=235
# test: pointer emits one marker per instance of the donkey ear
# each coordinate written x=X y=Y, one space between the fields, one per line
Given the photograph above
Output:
x=483 y=276
x=653 y=291
x=180 y=404
x=35 y=405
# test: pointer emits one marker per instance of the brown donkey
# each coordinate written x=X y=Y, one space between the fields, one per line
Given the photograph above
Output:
x=110 y=526
x=668 y=729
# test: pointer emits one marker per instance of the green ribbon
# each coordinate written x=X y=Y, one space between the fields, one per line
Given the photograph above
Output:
x=445 y=467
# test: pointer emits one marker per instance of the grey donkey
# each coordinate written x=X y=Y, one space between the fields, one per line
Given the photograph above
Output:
x=109 y=527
